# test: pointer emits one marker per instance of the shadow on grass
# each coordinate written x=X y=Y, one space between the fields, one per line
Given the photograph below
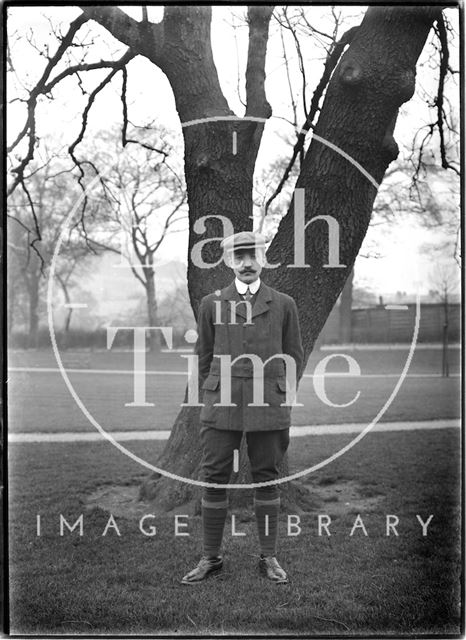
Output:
x=126 y=582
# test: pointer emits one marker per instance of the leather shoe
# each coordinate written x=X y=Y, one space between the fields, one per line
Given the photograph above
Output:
x=205 y=567
x=269 y=567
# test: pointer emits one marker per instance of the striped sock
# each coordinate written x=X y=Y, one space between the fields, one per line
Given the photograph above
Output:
x=267 y=510
x=214 y=513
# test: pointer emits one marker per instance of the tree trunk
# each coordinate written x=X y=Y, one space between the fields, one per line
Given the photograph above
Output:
x=182 y=456
x=66 y=326
x=153 y=337
x=66 y=332
x=33 y=292
x=346 y=303
x=68 y=321
x=374 y=77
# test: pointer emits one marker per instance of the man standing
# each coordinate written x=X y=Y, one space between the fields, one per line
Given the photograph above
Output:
x=250 y=358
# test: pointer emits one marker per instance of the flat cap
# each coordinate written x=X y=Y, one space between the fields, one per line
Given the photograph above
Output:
x=244 y=240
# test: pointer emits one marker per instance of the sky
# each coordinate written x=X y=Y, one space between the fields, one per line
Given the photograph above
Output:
x=401 y=266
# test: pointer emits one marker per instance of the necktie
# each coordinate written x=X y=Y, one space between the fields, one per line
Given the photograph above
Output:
x=248 y=295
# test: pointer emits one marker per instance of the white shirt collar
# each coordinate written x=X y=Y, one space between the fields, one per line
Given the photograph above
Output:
x=241 y=287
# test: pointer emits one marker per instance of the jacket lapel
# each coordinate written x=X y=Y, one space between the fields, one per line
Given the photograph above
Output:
x=261 y=303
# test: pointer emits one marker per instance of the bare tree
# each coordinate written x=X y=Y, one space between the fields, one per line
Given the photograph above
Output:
x=146 y=199
x=445 y=285
x=50 y=194
x=366 y=80
x=40 y=202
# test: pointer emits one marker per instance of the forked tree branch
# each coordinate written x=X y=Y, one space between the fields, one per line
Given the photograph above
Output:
x=439 y=100
x=29 y=128
x=256 y=101
x=330 y=64
x=288 y=78
x=127 y=30
x=118 y=66
x=300 y=57
x=440 y=123
x=124 y=129
x=75 y=69
x=169 y=221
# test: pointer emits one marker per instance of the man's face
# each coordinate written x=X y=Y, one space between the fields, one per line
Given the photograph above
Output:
x=245 y=264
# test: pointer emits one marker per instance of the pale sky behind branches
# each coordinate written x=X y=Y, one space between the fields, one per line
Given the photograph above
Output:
x=150 y=99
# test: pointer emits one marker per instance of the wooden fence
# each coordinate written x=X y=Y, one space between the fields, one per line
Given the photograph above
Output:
x=395 y=323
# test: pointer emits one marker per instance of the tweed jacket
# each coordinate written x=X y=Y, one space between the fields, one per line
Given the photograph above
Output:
x=227 y=328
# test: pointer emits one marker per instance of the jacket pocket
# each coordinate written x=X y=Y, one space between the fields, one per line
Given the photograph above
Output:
x=211 y=383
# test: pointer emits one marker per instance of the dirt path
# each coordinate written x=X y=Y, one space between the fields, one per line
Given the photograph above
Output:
x=310 y=430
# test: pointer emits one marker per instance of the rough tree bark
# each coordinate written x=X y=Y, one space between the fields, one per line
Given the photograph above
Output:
x=374 y=77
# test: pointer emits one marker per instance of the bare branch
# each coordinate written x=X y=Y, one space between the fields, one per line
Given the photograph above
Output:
x=319 y=32
x=128 y=30
x=90 y=242
x=120 y=64
x=444 y=66
x=168 y=222
x=75 y=69
x=29 y=128
x=136 y=248
x=117 y=67
x=443 y=121
x=330 y=64
x=300 y=58
x=137 y=276
x=256 y=101
x=238 y=90
x=124 y=139
x=38 y=237
x=290 y=88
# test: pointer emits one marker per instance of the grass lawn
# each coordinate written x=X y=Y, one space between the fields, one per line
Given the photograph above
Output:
x=42 y=402
x=387 y=360
x=340 y=584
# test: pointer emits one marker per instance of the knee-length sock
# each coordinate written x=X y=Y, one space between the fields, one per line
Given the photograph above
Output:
x=214 y=513
x=267 y=508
